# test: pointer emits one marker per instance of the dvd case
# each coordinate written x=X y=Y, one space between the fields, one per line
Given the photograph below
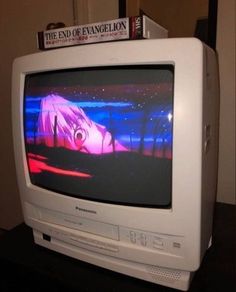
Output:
x=135 y=27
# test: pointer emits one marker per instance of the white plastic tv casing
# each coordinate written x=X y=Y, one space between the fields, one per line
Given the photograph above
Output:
x=114 y=236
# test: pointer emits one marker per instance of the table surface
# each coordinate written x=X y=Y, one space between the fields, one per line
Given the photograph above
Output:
x=27 y=267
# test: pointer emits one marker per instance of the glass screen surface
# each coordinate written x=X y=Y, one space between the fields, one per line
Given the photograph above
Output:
x=102 y=134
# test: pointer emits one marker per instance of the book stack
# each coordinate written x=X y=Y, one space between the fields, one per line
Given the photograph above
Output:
x=136 y=27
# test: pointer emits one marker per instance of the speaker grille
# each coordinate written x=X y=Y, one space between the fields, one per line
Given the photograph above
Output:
x=163 y=274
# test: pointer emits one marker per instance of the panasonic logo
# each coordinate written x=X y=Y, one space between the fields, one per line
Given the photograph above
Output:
x=85 y=210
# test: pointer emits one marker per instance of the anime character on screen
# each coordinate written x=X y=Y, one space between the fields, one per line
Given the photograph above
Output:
x=62 y=123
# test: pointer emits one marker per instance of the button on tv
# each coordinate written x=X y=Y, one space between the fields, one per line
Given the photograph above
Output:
x=158 y=243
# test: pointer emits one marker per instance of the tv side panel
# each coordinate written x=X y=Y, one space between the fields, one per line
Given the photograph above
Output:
x=210 y=138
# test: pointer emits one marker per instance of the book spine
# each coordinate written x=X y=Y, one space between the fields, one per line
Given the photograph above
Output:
x=136 y=27
x=117 y=29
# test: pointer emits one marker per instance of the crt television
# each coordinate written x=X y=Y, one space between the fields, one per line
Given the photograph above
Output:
x=116 y=153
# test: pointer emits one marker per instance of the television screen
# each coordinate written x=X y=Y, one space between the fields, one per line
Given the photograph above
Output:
x=103 y=134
